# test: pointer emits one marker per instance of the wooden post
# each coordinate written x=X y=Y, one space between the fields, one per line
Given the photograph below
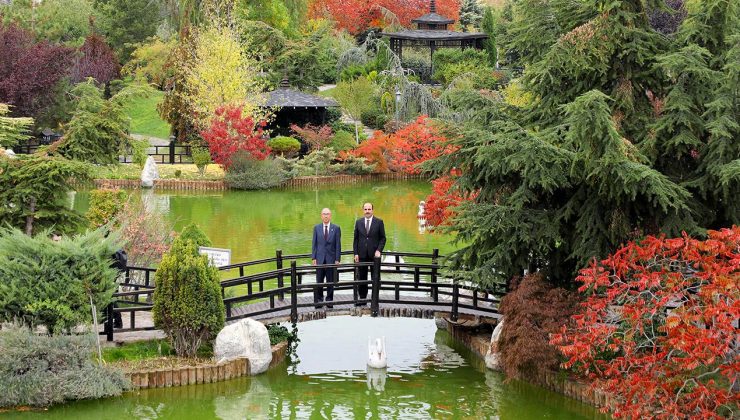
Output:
x=374 y=303
x=293 y=293
x=109 y=322
x=279 y=264
x=172 y=149
x=435 y=256
x=455 y=299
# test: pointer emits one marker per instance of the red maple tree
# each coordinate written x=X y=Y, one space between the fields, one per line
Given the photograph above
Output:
x=656 y=329
x=315 y=137
x=376 y=150
x=417 y=143
x=231 y=132
x=357 y=16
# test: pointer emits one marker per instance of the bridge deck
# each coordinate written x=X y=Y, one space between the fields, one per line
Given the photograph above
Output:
x=422 y=307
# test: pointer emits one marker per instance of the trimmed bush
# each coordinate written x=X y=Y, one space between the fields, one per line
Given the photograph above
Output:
x=43 y=282
x=356 y=166
x=284 y=146
x=342 y=140
x=105 y=204
x=374 y=118
x=187 y=298
x=193 y=232
x=41 y=370
x=201 y=159
x=246 y=173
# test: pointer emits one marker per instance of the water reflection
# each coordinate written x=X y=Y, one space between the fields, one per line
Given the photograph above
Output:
x=428 y=376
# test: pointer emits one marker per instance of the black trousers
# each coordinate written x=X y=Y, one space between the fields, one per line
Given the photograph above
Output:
x=330 y=274
x=362 y=273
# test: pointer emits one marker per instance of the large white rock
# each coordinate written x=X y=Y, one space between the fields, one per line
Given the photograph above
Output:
x=9 y=153
x=493 y=357
x=149 y=173
x=245 y=338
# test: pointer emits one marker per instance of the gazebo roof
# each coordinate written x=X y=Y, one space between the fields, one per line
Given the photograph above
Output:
x=433 y=18
x=284 y=96
x=435 y=35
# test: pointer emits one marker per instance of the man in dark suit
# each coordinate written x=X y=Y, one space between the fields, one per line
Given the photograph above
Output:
x=369 y=241
x=326 y=248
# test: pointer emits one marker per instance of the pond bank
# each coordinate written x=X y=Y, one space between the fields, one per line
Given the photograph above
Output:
x=220 y=185
x=479 y=343
x=202 y=373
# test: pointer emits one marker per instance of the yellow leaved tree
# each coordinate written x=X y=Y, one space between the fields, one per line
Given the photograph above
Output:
x=222 y=74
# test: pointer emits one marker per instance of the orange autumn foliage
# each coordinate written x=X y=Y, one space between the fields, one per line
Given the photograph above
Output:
x=656 y=330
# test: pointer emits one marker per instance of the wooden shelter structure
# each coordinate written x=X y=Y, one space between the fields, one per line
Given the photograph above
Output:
x=295 y=107
x=433 y=32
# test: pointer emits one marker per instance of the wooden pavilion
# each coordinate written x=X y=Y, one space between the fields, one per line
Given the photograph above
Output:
x=432 y=32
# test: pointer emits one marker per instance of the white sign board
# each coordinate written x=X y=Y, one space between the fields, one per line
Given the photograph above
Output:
x=218 y=257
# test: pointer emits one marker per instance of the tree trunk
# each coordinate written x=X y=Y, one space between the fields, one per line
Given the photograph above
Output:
x=357 y=134
x=29 y=218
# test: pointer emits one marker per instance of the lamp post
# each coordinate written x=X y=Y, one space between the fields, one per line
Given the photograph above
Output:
x=398 y=102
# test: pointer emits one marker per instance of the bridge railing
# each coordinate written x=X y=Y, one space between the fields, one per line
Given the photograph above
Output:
x=287 y=278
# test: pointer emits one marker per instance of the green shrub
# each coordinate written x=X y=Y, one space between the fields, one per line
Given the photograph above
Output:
x=193 y=232
x=139 y=151
x=187 y=298
x=201 y=158
x=104 y=206
x=333 y=114
x=246 y=173
x=284 y=146
x=374 y=118
x=178 y=173
x=41 y=370
x=339 y=125
x=43 y=282
x=356 y=166
x=342 y=140
x=317 y=163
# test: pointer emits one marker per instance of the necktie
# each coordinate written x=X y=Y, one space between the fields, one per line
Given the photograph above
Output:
x=367 y=226
x=326 y=233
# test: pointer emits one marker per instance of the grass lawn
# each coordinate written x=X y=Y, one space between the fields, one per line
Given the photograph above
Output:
x=166 y=171
x=144 y=117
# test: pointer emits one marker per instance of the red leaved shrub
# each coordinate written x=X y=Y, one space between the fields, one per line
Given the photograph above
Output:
x=532 y=310
x=657 y=330
x=231 y=132
x=315 y=137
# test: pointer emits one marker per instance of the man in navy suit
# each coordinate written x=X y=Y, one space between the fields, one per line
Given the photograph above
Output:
x=369 y=241
x=326 y=248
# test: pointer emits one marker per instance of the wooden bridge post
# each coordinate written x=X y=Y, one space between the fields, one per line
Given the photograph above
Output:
x=375 y=302
x=455 y=301
x=109 y=322
x=435 y=256
x=279 y=263
x=293 y=293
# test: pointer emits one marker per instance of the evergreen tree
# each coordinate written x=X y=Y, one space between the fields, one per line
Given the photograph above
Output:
x=33 y=193
x=628 y=133
x=471 y=14
x=488 y=26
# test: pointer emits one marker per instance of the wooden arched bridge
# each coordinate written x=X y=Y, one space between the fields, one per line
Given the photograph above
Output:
x=284 y=292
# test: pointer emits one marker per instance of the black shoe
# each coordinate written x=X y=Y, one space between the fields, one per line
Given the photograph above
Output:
x=329 y=306
x=319 y=304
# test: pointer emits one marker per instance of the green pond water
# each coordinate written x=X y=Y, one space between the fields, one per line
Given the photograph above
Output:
x=428 y=376
x=253 y=224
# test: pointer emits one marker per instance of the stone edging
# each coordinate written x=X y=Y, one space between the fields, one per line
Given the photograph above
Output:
x=189 y=375
x=553 y=381
x=204 y=185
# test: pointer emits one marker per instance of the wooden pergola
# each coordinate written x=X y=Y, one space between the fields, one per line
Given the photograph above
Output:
x=432 y=32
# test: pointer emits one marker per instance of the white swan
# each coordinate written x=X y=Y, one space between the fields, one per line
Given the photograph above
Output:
x=376 y=353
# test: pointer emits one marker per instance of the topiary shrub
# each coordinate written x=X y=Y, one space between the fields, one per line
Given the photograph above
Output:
x=356 y=166
x=342 y=140
x=45 y=282
x=374 y=118
x=246 y=173
x=41 y=370
x=105 y=204
x=201 y=159
x=284 y=146
x=193 y=232
x=187 y=298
